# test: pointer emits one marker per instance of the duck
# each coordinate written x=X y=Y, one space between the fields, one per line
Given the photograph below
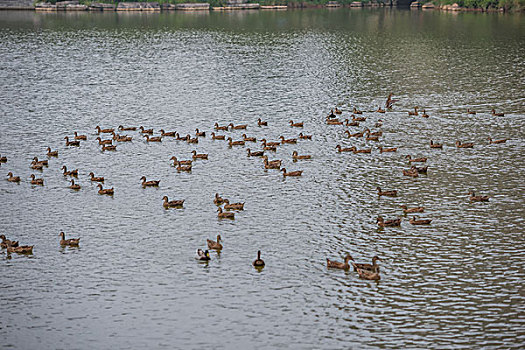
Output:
x=276 y=162
x=413 y=160
x=415 y=111
x=296 y=156
x=407 y=210
x=351 y=123
x=411 y=172
x=435 y=145
x=371 y=137
x=373 y=267
x=358 y=119
x=356 y=111
x=71 y=143
x=464 y=145
x=217 y=127
x=181 y=167
x=255 y=154
x=235 y=143
x=345 y=149
x=172 y=204
x=51 y=153
x=25 y=249
x=225 y=215
x=416 y=221
x=199 y=155
x=367 y=274
x=305 y=137
x=200 y=133
x=270 y=148
x=36 y=166
x=43 y=162
x=337 y=111
x=258 y=262
x=233 y=206
x=261 y=123
x=129 y=128
x=380 y=110
x=109 y=148
x=384 y=150
x=74 y=186
x=390 y=102
x=35 y=181
x=283 y=140
x=297 y=125
x=122 y=138
x=497 y=114
x=474 y=198
x=203 y=255
x=339 y=265
x=217 y=137
x=69 y=173
x=334 y=122
x=375 y=133
x=153 y=139
x=104 y=142
x=420 y=170
x=80 y=137
x=181 y=162
x=169 y=133
x=270 y=144
x=248 y=139
x=192 y=140
x=424 y=115
x=145 y=131
x=392 y=193
x=106 y=131
x=291 y=173
x=379 y=123
x=97 y=179
x=181 y=138
x=218 y=199
x=6 y=242
x=215 y=245
x=357 y=134
x=388 y=223
x=364 y=150
x=237 y=127
x=107 y=191
x=3 y=159
x=470 y=112
x=497 y=141
x=151 y=183
x=72 y=242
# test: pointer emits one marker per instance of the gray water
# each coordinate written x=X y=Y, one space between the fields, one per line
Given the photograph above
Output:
x=134 y=282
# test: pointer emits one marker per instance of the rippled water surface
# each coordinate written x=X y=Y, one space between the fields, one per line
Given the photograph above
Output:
x=134 y=282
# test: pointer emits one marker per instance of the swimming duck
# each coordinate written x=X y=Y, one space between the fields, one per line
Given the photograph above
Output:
x=131 y=128
x=341 y=149
x=305 y=137
x=383 y=150
x=225 y=215
x=71 y=143
x=80 y=137
x=107 y=131
x=276 y=162
x=356 y=111
x=497 y=141
x=203 y=255
x=269 y=144
x=122 y=138
x=192 y=140
x=474 y=198
x=181 y=167
x=261 y=123
x=353 y=123
x=217 y=127
x=270 y=148
x=296 y=156
x=97 y=179
x=373 y=267
x=145 y=131
x=375 y=133
x=233 y=206
x=367 y=274
x=182 y=162
x=358 y=119
x=379 y=123
x=150 y=183
x=339 y=265
x=380 y=110
x=464 y=145
x=3 y=159
x=104 y=142
x=371 y=138
x=364 y=150
x=435 y=145
x=25 y=249
x=412 y=160
x=153 y=139
x=291 y=173
x=74 y=186
x=415 y=111
x=218 y=199
x=6 y=242
x=412 y=210
x=109 y=148
x=43 y=162
x=424 y=115
x=392 y=193
x=37 y=166
x=237 y=127
x=248 y=139
x=235 y=143
x=337 y=111
x=181 y=138
x=217 y=137
x=107 y=191
x=497 y=114
x=73 y=242
x=51 y=153
x=388 y=223
x=255 y=154
x=200 y=133
x=283 y=140
x=69 y=173
x=420 y=170
x=411 y=172
x=334 y=122
x=470 y=112
x=199 y=155
x=298 y=124
x=258 y=262
x=215 y=245
x=172 y=204
x=35 y=181
x=416 y=221
x=357 y=134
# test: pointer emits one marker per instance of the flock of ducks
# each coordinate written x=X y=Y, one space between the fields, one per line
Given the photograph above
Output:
x=227 y=210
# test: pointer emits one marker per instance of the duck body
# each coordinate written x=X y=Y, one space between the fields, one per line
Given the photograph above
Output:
x=169 y=133
x=261 y=123
x=203 y=255
x=153 y=139
x=109 y=148
x=339 y=265
x=80 y=137
x=356 y=111
x=96 y=179
x=151 y=183
x=497 y=141
x=172 y=204
x=200 y=133
x=497 y=114
x=238 y=127
x=364 y=150
x=235 y=143
x=291 y=173
x=145 y=131
x=71 y=143
x=74 y=186
x=435 y=145
x=199 y=155
x=367 y=274
x=273 y=164
x=35 y=181
x=270 y=144
x=420 y=170
x=297 y=125
x=345 y=149
x=357 y=134
x=415 y=112
x=258 y=262
x=130 y=128
x=416 y=221
x=181 y=162
x=248 y=138
x=122 y=138
x=105 y=131
x=416 y=160
x=305 y=137
x=218 y=127
x=186 y=168
x=392 y=193
x=470 y=112
x=217 y=137
x=233 y=206
x=225 y=215
x=214 y=245
x=388 y=223
x=474 y=198
x=255 y=154
x=464 y=145
x=373 y=267
x=12 y=178
x=106 y=191
x=412 y=172
x=296 y=156
x=3 y=159
x=43 y=162
x=384 y=150
x=25 y=249
x=72 y=242
x=6 y=242
x=51 y=153
x=104 y=142
x=407 y=210
x=69 y=173
x=283 y=140
x=218 y=200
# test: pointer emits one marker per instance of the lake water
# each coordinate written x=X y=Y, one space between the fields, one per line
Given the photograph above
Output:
x=134 y=282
